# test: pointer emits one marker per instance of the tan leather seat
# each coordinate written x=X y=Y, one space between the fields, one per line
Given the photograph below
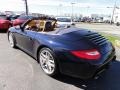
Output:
x=32 y=23
x=48 y=26
x=45 y=25
x=42 y=24
x=54 y=24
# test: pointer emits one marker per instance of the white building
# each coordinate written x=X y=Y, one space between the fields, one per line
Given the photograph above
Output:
x=116 y=17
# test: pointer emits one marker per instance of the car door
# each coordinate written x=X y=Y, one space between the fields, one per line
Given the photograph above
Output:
x=25 y=40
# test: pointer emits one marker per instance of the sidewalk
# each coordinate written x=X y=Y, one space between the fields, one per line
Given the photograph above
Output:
x=117 y=53
x=100 y=27
x=117 y=33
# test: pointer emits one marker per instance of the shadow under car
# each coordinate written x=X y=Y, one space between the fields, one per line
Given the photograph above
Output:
x=108 y=80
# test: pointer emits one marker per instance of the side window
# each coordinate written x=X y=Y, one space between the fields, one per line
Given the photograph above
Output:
x=32 y=26
x=40 y=25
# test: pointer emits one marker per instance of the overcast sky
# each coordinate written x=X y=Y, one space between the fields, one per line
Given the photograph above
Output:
x=56 y=7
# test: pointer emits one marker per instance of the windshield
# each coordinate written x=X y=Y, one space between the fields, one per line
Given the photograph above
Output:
x=64 y=19
x=24 y=17
x=3 y=17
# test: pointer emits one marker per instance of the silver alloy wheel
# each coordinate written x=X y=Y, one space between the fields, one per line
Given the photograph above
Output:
x=47 y=62
x=11 y=40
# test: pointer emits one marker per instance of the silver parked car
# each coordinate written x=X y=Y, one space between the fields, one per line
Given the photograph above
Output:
x=64 y=22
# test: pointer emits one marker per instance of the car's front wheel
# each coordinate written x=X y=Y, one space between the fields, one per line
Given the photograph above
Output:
x=11 y=40
x=48 y=61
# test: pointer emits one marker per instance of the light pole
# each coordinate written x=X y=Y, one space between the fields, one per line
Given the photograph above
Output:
x=114 y=8
x=88 y=10
x=72 y=11
x=60 y=9
x=26 y=7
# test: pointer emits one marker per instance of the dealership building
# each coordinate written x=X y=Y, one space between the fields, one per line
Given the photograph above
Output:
x=116 y=17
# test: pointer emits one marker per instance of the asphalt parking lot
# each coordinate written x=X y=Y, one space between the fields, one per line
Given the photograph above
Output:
x=19 y=71
x=101 y=27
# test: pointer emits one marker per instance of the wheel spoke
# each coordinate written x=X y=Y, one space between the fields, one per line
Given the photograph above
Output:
x=11 y=40
x=42 y=60
x=47 y=55
x=51 y=65
x=48 y=68
x=43 y=55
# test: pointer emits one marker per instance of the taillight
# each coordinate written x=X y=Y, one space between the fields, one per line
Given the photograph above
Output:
x=87 y=54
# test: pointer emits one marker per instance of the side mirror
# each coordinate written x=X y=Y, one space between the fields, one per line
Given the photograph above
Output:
x=22 y=27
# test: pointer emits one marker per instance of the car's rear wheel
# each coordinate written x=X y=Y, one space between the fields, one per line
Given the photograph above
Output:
x=48 y=61
x=11 y=40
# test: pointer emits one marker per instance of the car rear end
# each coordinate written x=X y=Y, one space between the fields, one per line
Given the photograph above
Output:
x=106 y=50
x=86 y=57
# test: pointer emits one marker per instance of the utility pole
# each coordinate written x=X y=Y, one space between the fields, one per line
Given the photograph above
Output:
x=114 y=8
x=26 y=7
x=60 y=9
x=72 y=11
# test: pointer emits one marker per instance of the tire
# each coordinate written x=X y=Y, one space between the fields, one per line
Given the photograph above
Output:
x=48 y=62
x=118 y=24
x=11 y=40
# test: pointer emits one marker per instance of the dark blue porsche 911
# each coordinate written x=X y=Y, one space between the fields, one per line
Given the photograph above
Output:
x=72 y=51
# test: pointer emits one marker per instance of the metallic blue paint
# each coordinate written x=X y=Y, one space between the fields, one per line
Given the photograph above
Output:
x=62 y=42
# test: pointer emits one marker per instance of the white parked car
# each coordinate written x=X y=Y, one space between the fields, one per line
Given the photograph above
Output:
x=107 y=19
x=64 y=22
x=118 y=21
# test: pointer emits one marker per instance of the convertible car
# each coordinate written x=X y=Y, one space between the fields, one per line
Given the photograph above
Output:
x=4 y=23
x=72 y=51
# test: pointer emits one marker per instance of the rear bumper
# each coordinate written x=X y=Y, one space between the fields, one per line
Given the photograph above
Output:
x=105 y=65
x=84 y=70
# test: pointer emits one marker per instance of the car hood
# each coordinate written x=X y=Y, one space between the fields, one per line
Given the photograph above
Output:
x=4 y=21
